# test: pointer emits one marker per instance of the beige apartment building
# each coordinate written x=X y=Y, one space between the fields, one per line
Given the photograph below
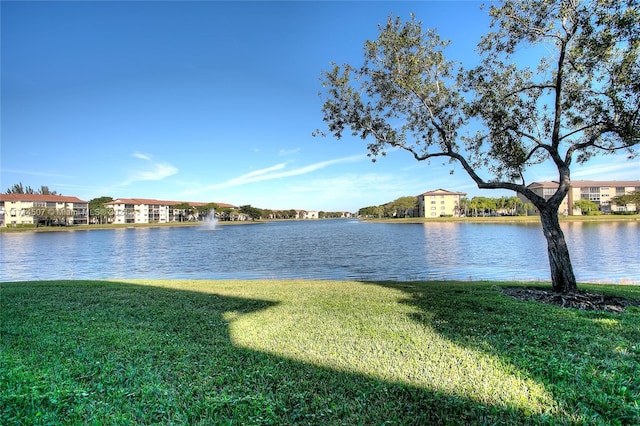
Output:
x=38 y=209
x=439 y=202
x=600 y=192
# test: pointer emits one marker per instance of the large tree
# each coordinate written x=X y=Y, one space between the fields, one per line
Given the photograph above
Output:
x=98 y=212
x=579 y=100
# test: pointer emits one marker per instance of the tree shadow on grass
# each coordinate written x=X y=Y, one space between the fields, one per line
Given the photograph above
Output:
x=588 y=360
x=116 y=352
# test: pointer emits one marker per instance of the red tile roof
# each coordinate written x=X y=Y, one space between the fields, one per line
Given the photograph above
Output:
x=152 y=201
x=39 y=197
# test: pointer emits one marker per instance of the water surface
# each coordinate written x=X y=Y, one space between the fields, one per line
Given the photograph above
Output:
x=331 y=249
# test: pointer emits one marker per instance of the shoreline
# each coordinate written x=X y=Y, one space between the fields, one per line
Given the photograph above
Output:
x=507 y=219
x=96 y=227
x=411 y=220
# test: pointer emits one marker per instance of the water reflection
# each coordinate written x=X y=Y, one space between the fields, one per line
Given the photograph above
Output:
x=482 y=251
x=610 y=251
x=339 y=249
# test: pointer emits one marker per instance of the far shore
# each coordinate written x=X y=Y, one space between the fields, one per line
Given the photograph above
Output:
x=119 y=226
x=485 y=219
x=508 y=219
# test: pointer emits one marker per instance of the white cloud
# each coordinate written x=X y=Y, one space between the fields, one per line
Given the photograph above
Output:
x=142 y=156
x=349 y=191
x=620 y=168
x=157 y=171
x=277 y=172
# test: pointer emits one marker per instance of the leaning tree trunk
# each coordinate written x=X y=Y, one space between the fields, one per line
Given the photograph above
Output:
x=562 y=278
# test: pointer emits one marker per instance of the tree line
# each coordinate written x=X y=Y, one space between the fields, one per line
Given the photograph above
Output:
x=258 y=213
x=476 y=206
x=487 y=206
x=99 y=213
x=18 y=188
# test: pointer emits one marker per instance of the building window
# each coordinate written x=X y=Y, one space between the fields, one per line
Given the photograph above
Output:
x=591 y=193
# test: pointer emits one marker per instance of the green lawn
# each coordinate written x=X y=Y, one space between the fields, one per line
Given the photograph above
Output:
x=310 y=352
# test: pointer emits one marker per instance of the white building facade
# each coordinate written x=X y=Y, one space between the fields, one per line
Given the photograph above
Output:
x=147 y=210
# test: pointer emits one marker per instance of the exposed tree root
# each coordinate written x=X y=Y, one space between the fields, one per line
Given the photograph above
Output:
x=582 y=300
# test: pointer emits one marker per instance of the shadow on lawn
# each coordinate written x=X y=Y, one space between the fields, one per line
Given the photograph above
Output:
x=109 y=352
x=589 y=361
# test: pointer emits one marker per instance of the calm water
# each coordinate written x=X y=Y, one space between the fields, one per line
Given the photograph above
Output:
x=336 y=249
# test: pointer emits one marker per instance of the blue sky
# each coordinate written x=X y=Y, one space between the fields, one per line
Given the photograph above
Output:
x=211 y=101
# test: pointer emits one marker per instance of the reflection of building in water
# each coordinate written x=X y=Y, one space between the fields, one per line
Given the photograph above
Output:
x=600 y=192
x=439 y=202
x=40 y=209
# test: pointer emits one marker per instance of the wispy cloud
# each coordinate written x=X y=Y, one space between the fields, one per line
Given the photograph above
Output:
x=347 y=191
x=620 y=168
x=32 y=173
x=142 y=156
x=157 y=171
x=277 y=172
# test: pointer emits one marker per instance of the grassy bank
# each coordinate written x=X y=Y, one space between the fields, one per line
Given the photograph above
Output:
x=310 y=352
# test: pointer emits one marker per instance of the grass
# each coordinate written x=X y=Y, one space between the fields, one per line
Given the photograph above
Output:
x=311 y=352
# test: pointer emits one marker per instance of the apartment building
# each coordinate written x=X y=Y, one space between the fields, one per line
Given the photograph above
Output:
x=439 y=202
x=39 y=209
x=148 y=210
x=600 y=192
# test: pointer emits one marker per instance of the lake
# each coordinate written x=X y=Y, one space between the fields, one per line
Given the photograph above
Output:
x=607 y=252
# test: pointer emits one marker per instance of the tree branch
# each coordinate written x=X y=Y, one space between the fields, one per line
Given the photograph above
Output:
x=530 y=87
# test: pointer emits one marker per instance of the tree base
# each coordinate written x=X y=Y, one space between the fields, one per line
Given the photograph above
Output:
x=582 y=300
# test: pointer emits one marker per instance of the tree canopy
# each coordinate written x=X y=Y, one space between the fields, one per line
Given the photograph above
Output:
x=98 y=212
x=504 y=116
x=631 y=198
x=18 y=188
